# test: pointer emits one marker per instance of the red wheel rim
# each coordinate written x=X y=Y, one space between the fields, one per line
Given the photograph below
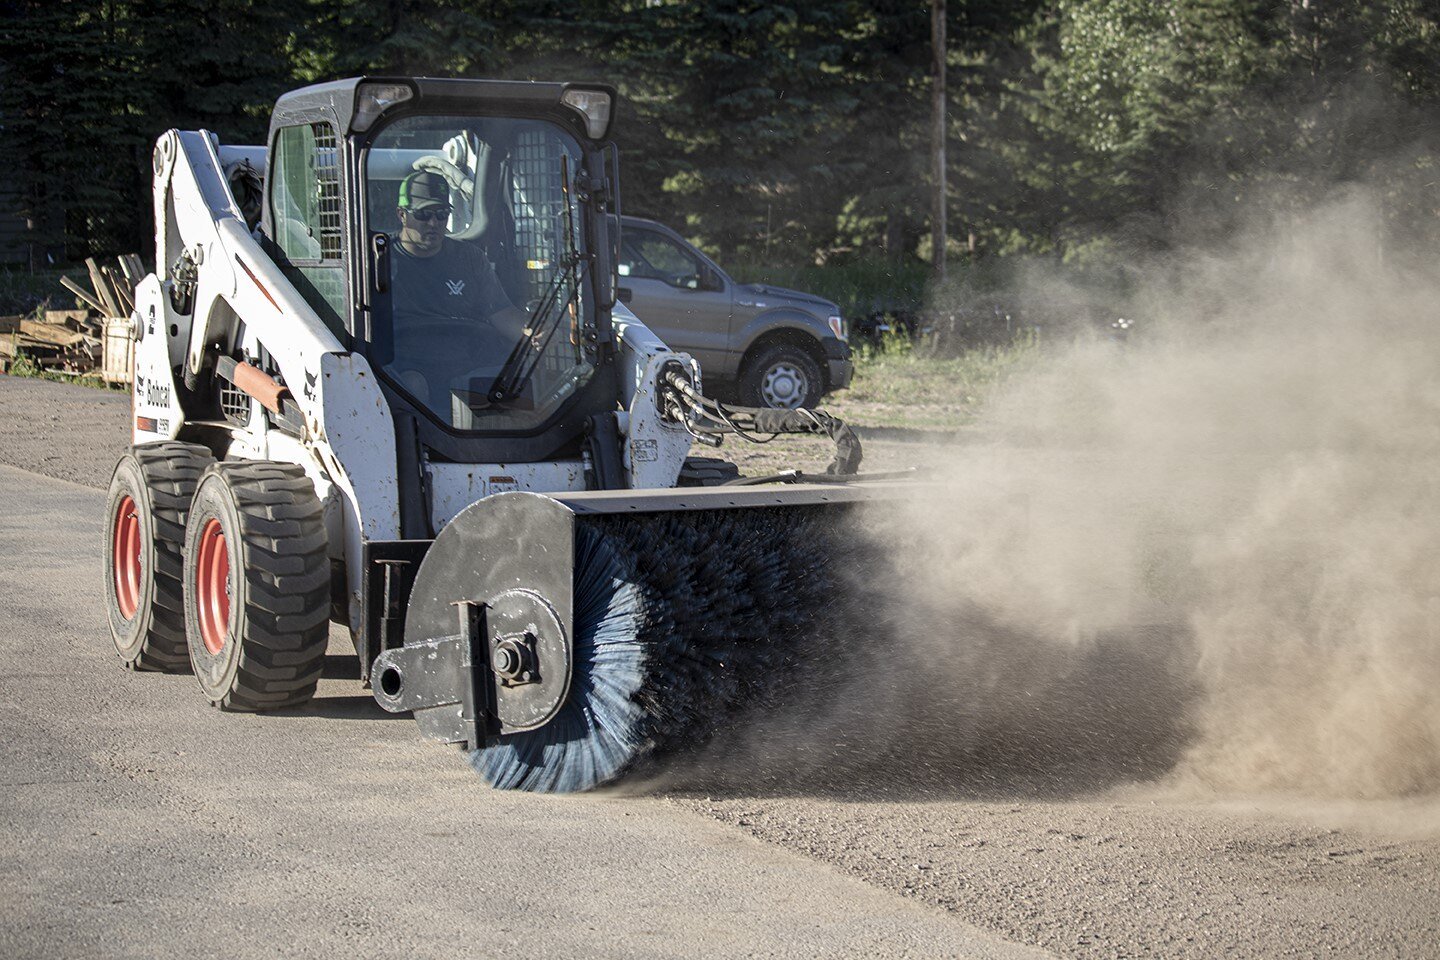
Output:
x=125 y=560
x=212 y=587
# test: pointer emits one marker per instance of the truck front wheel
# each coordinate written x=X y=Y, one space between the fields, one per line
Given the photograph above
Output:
x=783 y=376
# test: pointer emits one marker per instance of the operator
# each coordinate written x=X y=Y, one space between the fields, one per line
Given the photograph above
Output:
x=452 y=319
x=434 y=276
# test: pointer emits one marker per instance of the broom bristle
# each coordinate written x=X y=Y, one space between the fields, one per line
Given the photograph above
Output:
x=682 y=620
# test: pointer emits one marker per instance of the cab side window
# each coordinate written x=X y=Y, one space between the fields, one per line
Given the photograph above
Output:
x=651 y=256
x=306 y=213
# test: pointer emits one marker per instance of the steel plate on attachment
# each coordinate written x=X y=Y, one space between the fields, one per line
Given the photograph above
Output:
x=523 y=618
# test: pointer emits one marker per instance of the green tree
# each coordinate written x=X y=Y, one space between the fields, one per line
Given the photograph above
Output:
x=90 y=84
x=1113 y=99
x=67 y=138
x=402 y=37
x=886 y=60
x=745 y=108
x=784 y=133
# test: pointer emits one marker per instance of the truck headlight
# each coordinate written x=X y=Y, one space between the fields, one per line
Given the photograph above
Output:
x=837 y=327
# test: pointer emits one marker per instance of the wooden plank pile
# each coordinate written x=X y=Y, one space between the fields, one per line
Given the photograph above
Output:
x=75 y=342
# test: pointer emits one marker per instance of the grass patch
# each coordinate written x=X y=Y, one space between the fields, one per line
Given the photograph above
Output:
x=25 y=366
x=904 y=384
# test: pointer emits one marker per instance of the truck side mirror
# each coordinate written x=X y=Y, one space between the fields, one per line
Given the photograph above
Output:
x=709 y=279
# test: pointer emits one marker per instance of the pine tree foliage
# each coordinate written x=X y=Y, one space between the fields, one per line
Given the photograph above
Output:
x=789 y=132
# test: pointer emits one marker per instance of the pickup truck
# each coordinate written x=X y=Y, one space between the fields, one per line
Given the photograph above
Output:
x=769 y=346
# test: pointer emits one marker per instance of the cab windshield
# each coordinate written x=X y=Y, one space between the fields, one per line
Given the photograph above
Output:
x=485 y=316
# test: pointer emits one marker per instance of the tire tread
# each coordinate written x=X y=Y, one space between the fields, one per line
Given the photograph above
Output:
x=171 y=469
x=284 y=626
x=749 y=386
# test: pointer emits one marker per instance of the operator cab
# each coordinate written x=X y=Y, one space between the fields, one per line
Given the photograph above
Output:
x=455 y=233
x=481 y=229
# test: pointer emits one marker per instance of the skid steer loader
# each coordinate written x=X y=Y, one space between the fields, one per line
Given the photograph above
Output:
x=433 y=424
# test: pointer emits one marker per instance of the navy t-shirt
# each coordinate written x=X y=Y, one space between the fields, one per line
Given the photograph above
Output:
x=458 y=287
x=456 y=282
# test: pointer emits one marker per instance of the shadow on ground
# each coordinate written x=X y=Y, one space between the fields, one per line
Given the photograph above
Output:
x=1029 y=720
x=348 y=708
x=341 y=667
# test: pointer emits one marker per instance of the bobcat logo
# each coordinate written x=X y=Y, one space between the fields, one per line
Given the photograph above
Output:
x=457 y=287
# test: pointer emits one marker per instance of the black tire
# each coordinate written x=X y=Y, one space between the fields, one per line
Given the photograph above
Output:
x=782 y=375
x=154 y=484
x=257 y=586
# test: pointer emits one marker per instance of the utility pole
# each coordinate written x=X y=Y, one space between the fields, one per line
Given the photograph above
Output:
x=937 y=136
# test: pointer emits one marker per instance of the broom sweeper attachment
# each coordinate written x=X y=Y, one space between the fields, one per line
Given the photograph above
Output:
x=568 y=639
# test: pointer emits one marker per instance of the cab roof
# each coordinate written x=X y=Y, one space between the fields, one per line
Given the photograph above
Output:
x=335 y=100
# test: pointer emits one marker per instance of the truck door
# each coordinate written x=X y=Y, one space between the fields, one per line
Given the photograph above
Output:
x=667 y=284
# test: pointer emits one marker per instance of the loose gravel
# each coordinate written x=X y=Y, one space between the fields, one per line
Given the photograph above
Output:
x=1085 y=868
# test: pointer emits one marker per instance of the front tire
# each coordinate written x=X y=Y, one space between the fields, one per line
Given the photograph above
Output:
x=257 y=586
x=782 y=376
x=145 y=513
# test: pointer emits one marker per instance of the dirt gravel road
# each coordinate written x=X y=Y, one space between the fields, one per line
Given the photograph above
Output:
x=142 y=823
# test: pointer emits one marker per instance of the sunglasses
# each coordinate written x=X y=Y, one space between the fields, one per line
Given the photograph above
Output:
x=426 y=216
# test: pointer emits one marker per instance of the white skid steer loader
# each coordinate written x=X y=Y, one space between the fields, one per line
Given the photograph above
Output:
x=381 y=378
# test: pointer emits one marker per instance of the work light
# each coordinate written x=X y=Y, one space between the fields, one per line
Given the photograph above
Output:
x=373 y=99
x=593 y=105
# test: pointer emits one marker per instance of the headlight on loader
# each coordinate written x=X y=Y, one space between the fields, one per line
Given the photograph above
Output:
x=593 y=105
x=373 y=99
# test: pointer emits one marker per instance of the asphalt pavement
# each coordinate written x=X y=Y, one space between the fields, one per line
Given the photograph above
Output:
x=141 y=822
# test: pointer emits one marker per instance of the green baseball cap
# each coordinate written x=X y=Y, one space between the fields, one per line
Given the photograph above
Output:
x=424 y=189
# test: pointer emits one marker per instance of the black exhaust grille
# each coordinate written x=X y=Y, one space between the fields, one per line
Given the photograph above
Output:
x=234 y=403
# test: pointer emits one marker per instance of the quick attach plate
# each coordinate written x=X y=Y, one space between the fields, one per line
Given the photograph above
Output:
x=507 y=671
x=487 y=646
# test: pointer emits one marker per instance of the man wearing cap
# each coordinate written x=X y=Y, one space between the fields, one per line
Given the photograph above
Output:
x=450 y=313
x=433 y=276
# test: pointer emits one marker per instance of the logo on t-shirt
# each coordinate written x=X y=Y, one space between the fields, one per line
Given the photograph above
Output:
x=457 y=287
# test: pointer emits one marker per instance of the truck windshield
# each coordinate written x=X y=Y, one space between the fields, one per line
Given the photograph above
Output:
x=482 y=229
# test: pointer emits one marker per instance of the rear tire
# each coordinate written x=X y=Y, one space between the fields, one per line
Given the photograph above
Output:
x=782 y=376
x=145 y=513
x=257 y=586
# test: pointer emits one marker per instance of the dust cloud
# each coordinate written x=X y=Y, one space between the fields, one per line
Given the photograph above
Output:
x=1207 y=558
x=1246 y=495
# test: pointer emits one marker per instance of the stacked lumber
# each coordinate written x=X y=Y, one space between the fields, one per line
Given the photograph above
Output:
x=113 y=293
x=63 y=341
x=75 y=342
